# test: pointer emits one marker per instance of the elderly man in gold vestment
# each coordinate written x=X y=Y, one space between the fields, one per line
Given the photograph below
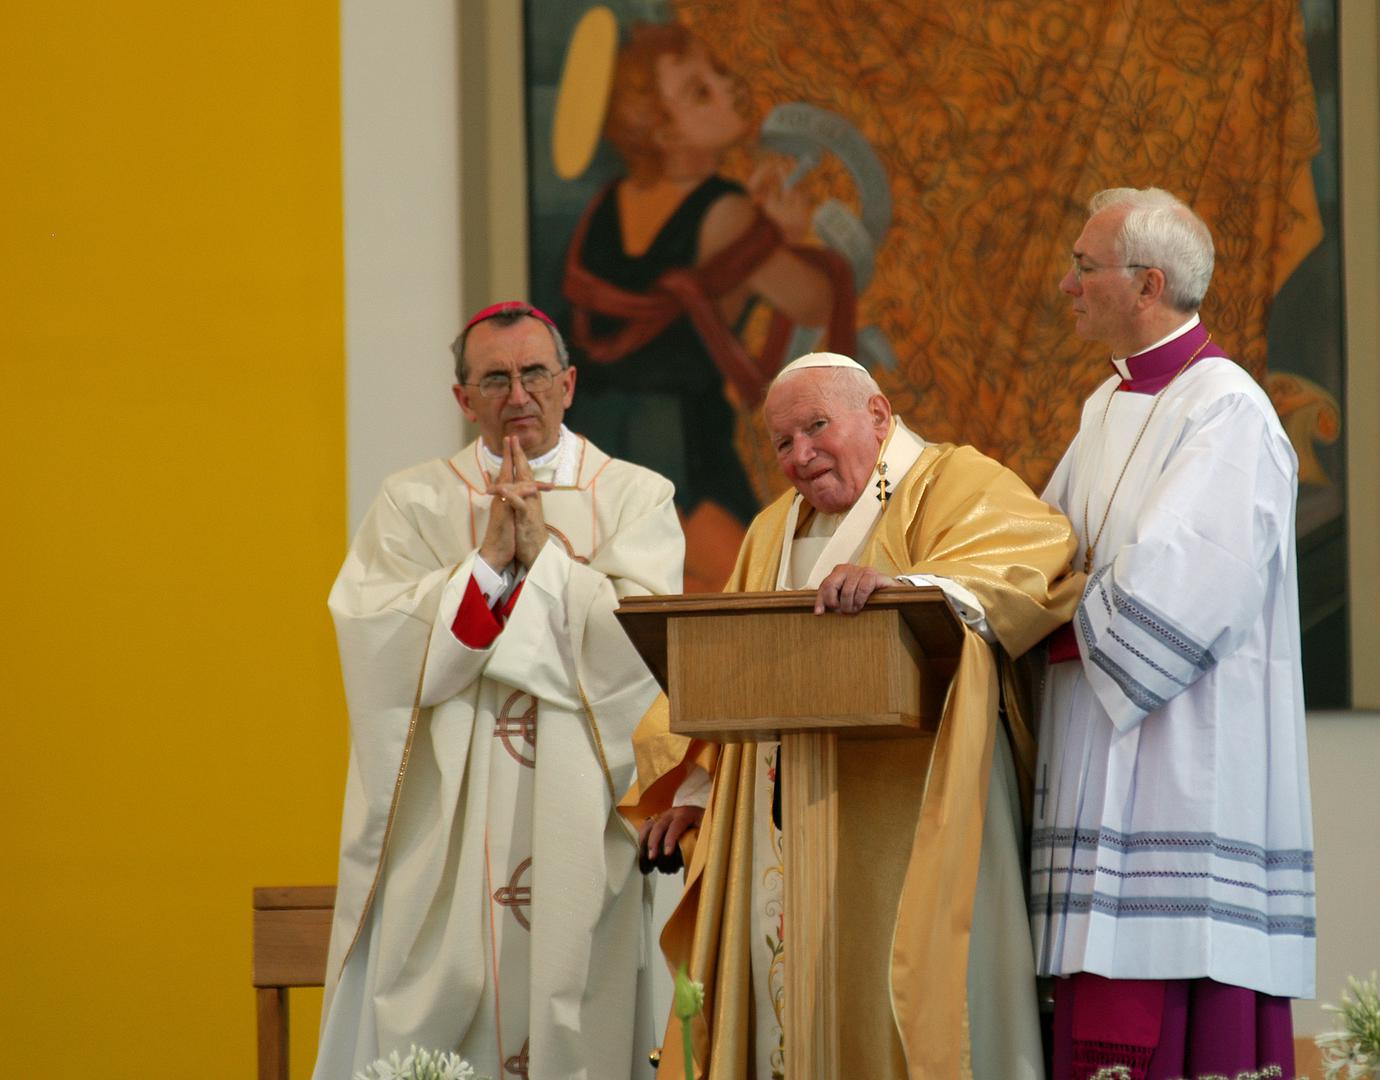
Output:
x=958 y=996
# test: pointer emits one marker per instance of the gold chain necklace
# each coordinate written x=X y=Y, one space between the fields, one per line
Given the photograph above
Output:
x=1088 y=555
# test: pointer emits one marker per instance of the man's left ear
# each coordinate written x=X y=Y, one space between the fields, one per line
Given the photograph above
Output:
x=569 y=387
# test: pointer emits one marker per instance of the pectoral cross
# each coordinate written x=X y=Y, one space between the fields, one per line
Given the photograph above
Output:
x=883 y=485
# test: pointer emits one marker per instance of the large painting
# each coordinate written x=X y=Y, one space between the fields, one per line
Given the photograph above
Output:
x=717 y=187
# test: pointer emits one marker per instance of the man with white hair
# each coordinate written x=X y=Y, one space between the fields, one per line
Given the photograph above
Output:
x=1172 y=862
x=874 y=504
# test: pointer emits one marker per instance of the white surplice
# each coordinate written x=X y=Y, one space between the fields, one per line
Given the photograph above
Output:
x=1172 y=832
x=489 y=900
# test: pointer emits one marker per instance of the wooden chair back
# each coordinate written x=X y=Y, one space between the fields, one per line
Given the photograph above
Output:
x=292 y=931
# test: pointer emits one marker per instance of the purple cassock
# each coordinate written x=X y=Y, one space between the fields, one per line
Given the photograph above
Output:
x=1164 y=1029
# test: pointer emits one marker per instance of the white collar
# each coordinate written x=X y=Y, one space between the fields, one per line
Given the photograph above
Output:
x=1124 y=370
x=561 y=459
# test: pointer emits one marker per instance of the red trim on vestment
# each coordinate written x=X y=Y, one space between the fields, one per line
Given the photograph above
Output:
x=1062 y=644
x=507 y=608
x=474 y=625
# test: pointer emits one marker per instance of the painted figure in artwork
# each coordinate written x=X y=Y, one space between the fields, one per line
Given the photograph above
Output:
x=661 y=273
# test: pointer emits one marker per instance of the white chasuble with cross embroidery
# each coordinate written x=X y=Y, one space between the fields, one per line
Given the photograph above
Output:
x=489 y=899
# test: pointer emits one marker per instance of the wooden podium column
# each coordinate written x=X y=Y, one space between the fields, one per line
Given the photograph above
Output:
x=810 y=824
x=757 y=667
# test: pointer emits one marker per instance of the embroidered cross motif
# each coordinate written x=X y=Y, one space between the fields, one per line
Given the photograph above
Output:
x=521 y=727
x=883 y=485
x=516 y=896
x=517 y=1064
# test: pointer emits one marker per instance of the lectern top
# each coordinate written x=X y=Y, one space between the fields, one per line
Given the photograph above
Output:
x=937 y=630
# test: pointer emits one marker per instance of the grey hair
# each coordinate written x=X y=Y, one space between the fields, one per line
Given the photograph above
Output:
x=1162 y=231
x=849 y=386
x=510 y=314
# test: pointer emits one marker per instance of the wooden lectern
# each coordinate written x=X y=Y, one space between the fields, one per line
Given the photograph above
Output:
x=762 y=666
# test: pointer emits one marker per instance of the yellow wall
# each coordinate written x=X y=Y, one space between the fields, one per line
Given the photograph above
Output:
x=171 y=449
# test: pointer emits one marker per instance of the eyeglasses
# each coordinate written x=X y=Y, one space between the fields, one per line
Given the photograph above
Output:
x=1079 y=269
x=534 y=380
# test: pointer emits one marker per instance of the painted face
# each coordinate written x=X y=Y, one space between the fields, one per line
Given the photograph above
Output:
x=1103 y=292
x=534 y=417
x=700 y=100
x=826 y=449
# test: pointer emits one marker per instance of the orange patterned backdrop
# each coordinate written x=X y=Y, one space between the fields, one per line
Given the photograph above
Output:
x=995 y=121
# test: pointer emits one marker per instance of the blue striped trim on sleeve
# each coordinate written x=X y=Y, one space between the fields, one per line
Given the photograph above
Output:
x=1162 y=629
x=1138 y=694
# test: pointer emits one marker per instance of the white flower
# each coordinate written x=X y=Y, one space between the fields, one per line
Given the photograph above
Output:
x=1353 y=1053
x=389 y=1068
x=455 y=1068
x=420 y=1065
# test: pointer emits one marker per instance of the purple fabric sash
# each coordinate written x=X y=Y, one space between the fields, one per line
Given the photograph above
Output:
x=1153 y=370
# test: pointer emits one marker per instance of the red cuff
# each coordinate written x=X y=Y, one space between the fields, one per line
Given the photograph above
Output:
x=1062 y=644
x=475 y=626
x=507 y=608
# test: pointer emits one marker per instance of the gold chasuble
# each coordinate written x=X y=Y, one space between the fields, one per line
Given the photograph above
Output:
x=959 y=515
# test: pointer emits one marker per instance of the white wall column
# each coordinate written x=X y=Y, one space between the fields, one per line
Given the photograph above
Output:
x=400 y=106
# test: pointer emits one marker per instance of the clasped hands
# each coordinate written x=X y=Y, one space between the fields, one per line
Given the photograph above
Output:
x=517 y=526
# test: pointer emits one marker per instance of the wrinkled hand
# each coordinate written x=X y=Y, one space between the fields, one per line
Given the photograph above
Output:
x=847 y=588
x=659 y=836
x=530 y=521
x=499 y=544
x=517 y=525
x=788 y=208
